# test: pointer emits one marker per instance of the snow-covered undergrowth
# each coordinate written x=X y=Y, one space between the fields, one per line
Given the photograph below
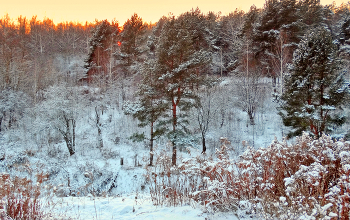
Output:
x=308 y=180
x=217 y=183
x=305 y=180
x=19 y=197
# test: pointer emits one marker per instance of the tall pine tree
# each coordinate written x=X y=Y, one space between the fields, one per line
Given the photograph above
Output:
x=100 y=57
x=181 y=58
x=149 y=107
x=315 y=90
x=131 y=38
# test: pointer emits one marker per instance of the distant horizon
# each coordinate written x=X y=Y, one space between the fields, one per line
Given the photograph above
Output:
x=82 y=11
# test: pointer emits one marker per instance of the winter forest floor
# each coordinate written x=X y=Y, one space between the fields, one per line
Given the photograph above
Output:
x=93 y=172
x=129 y=206
x=92 y=184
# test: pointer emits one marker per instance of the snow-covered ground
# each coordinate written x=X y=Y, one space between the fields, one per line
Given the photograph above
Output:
x=92 y=184
x=131 y=206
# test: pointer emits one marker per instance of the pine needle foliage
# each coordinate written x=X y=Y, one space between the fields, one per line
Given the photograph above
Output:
x=315 y=90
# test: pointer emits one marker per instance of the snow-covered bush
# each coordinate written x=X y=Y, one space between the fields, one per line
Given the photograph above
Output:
x=19 y=198
x=162 y=180
x=308 y=179
x=216 y=192
x=197 y=180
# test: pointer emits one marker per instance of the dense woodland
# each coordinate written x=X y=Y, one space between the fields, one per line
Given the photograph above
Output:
x=178 y=80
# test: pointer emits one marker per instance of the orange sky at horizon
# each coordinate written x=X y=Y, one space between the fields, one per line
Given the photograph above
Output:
x=149 y=11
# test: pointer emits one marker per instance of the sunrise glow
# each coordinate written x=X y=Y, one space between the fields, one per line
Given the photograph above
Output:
x=150 y=11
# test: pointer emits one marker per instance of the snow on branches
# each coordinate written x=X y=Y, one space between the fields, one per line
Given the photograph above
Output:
x=308 y=179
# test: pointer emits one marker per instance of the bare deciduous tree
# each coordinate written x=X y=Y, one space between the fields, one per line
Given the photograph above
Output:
x=206 y=111
x=250 y=94
x=59 y=111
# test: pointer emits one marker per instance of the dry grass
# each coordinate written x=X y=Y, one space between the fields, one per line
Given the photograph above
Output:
x=20 y=197
x=309 y=179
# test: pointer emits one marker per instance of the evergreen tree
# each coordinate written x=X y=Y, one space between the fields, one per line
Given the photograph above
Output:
x=181 y=58
x=131 y=39
x=99 y=60
x=250 y=21
x=315 y=90
x=311 y=13
x=149 y=107
x=276 y=33
x=343 y=26
x=228 y=42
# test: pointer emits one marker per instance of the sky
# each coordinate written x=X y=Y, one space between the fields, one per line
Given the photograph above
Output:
x=148 y=10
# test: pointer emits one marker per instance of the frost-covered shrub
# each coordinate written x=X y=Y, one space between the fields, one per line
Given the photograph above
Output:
x=293 y=181
x=19 y=198
x=197 y=180
x=308 y=180
x=217 y=189
x=108 y=153
x=161 y=179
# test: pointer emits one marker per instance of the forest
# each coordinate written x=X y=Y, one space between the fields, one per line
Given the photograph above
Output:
x=245 y=113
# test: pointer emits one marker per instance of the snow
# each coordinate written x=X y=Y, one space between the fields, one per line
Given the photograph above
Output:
x=288 y=181
x=73 y=174
x=92 y=184
x=131 y=206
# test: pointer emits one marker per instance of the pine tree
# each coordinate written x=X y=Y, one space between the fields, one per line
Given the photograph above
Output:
x=131 y=39
x=250 y=20
x=310 y=13
x=344 y=31
x=315 y=90
x=149 y=107
x=99 y=60
x=228 y=42
x=277 y=31
x=181 y=58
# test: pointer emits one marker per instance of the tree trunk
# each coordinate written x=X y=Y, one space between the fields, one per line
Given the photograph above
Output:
x=68 y=141
x=69 y=134
x=222 y=118
x=203 y=143
x=251 y=118
x=173 y=159
x=1 y=121
x=10 y=118
x=151 y=147
x=70 y=148
x=99 y=131
x=100 y=140
x=73 y=134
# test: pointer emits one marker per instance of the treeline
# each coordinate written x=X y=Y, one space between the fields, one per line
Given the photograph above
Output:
x=268 y=35
x=179 y=53
x=34 y=51
x=29 y=47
